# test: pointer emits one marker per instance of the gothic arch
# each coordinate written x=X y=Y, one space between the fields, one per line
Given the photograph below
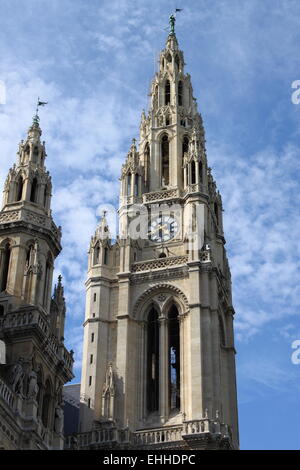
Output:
x=144 y=300
x=222 y=330
x=7 y=240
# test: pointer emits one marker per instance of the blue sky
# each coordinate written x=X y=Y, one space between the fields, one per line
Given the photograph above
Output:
x=93 y=61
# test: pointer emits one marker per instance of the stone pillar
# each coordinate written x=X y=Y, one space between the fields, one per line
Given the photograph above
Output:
x=163 y=369
x=26 y=189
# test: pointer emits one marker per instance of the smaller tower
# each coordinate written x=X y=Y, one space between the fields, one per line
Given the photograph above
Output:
x=35 y=363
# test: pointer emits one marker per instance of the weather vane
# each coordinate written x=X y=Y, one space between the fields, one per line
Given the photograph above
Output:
x=36 y=117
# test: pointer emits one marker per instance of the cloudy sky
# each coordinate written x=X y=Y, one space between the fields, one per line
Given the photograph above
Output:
x=93 y=62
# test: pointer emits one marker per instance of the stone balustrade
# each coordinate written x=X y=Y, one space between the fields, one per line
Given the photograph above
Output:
x=148 y=437
x=161 y=195
x=194 y=188
x=158 y=436
x=7 y=395
x=158 y=263
x=97 y=437
x=32 y=217
x=205 y=425
x=36 y=319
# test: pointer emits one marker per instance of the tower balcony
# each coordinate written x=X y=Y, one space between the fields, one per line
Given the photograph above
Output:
x=27 y=321
x=163 y=195
x=195 y=434
x=23 y=214
x=159 y=263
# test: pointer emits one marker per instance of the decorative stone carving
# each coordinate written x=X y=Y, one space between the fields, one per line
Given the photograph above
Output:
x=108 y=394
x=33 y=387
x=16 y=377
x=58 y=420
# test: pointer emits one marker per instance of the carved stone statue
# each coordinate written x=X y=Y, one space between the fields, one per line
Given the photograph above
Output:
x=33 y=388
x=58 y=420
x=172 y=20
x=108 y=393
x=16 y=377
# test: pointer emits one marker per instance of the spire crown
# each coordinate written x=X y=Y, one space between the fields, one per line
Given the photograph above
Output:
x=102 y=231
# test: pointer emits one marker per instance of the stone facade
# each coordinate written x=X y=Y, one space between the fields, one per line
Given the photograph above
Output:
x=159 y=356
x=34 y=364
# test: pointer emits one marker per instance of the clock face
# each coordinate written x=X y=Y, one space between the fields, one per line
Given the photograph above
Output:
x=163 y=228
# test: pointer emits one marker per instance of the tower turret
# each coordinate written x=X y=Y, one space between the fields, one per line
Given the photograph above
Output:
x=37 y=364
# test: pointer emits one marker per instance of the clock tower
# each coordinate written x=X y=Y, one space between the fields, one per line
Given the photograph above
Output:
x=159 y=356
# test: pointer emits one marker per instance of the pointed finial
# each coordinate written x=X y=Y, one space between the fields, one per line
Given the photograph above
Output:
x=59 y=279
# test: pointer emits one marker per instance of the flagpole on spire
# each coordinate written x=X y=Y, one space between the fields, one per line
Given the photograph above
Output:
x=172 y=20
x=36 y=118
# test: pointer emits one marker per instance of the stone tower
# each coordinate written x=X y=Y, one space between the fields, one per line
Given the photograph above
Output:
x=34 y=362
x=159 y=356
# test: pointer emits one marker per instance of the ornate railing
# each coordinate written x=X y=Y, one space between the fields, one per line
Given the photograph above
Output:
x=36 y=319
x=158 y=263
x=205 y=425
x=194 y=188
x=27 y=215
x=6 y=394
x=148 y=437
x=161 y=195
x=158 y=436
x=97 y=437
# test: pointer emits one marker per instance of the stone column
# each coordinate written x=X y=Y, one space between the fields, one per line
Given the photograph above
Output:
x=181 y=318
x=163 y=369
x=197 y=173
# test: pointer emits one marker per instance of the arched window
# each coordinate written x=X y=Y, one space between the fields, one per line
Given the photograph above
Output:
x=221 y=331
x=180 y=94
x=152 y=362
x=47 y=399
x=5 y=266
x=200 y=172
x=33 y=193
x=39 y=397
x=193 y=172
x=177 y=62
x=216 y=210
x=45 y=197
x=1 y=310
x=105 y=260
x=174 y=359
x=29 y=255
x=96 y=254
x=47 y=282
x=185 y=145
x=165 y=159
x=129 y=184
x=147 y=165
x=136 y=185
x=35 y=154
x=167 y=92
x=162 y=255
x=168 y=119
x=19 y=189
